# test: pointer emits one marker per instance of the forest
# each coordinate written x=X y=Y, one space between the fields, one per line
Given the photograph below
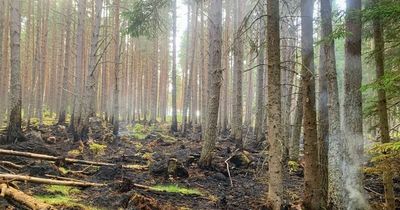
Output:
x=200 y=104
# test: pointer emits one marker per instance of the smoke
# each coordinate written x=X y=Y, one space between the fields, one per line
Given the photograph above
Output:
x=353 y=173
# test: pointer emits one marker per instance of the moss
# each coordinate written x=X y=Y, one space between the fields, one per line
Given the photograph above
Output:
x=63 y=170
x=176 y=189
x=63 y=190
x=138 y=146
x=63 y=196
x=293 y=165
x=97 y=148
x=148 y=156
x=138 y=131
x=74 y=152
x=168 y=138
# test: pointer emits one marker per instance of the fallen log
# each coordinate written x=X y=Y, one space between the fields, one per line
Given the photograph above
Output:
x=68 y=160
x=12 y=177
x=23 y=199
x=52 y=158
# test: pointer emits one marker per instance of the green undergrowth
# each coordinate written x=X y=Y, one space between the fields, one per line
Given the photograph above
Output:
x=384 y=157
x=63 y=170
x=63 y=196
x=63 y=190
x=177 y=189
x=293 y=166
x=138 y=131
x=74 y=152
x=96 y=148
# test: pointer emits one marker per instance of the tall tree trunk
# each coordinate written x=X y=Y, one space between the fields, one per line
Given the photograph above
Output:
x=5 y=78
x=104 y=70
x=274 y=127
x=203 y=70
x=154 y=82
x=327 y=71
x=311 y=170
x=67 y=60
x=227 y=69
x=89 y=109
x=249 y=98
x=322 y=116
x=352 y=115
x=76 y=107
x=186 y=89
x=215 y=75
x=237 y=75
x=174 y=125
x=36 y=65
x=2 y=30
x=379 y=47
x=260 y=106
x=43 y=63
x=115 y=117
x=14 y=131
x=193 y=75
x=294 y=151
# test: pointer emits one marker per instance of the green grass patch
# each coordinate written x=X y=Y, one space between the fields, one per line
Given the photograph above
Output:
x=63 y=196
x=138 y=131
x=63 y=190
x=97 y=149
x=177 y=189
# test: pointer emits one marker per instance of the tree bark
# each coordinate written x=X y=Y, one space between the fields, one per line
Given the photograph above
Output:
x=311 y=170
x=77 y=102
x=352 y=115
x=227 y=69
x=322 y=117
x=379 y=47
x=25 y=200
x=215 y=75
x=327 y=72
x=237 y=75
x=294 y=149
x=115 y=118
x=89 y=109
x=274 y=127
x=14 y=131
x=67 y=59
x=43 y=62
x=154 y=82
x=2 y=12
x=174 y=125
x=260 y=101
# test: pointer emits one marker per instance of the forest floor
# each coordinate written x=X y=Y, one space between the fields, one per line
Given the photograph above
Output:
x=165 y=164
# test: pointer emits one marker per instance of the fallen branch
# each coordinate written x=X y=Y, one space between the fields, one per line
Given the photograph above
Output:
x=22 y=198
x=68 y=160
x=11 y=164
x=12 y=177
x=62 y=178
x=52 y=158
x=227 y=166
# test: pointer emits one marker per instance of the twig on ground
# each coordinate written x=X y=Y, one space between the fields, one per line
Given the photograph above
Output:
x=227 y=166
x=11 y=164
